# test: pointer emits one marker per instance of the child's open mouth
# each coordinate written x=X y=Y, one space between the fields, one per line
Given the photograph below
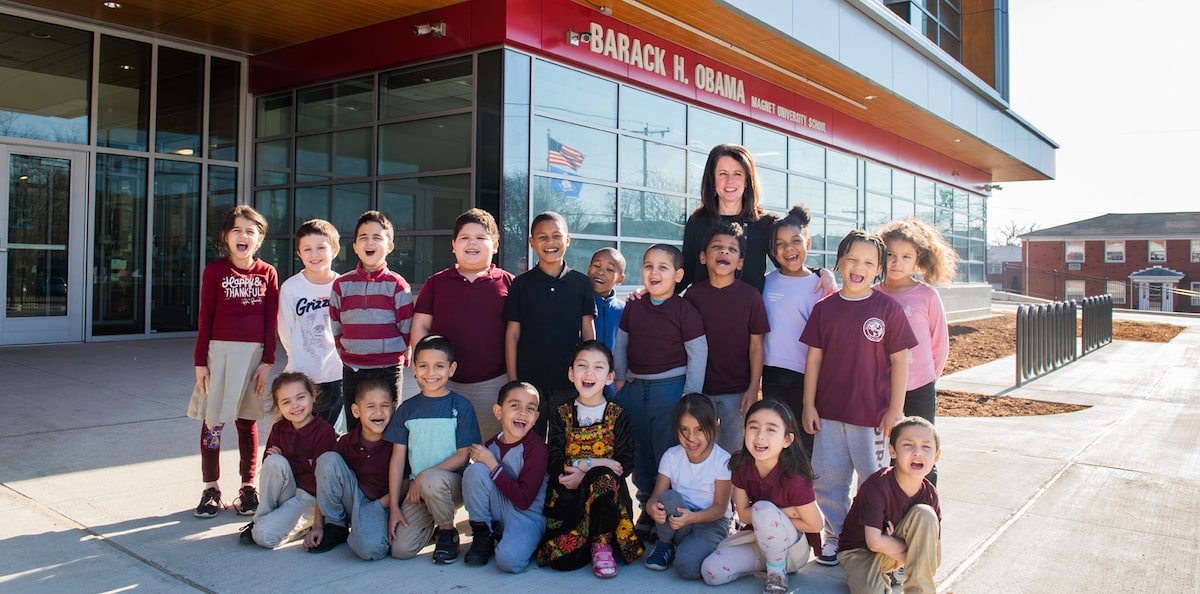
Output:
x=760 y=449
x=917 y=465
x=376 y=421
x=722 y=261
x=519 y=424
x=857 y=278
x=588 y=384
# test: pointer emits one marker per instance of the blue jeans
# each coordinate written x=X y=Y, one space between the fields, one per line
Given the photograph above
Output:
x=694 y=542
x=344 y=504
x=522 y=528
x=650 y=404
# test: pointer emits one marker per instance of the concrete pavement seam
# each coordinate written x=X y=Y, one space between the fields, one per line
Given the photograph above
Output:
x=39 y=506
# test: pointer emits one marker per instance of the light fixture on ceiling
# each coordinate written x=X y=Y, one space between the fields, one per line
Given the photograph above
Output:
x=438 y=29
x=604 y=10
x=990 y=187
x=957 y=140
x=126 y=66
x=186 y=152
x=575 y=39
x=871 y=97
x=112 y=5
x=39 y=35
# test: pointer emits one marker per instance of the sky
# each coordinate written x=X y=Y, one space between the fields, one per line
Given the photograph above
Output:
x=1114 y=84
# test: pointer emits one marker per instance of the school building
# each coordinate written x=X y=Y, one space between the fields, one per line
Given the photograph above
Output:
x=1147 y=261
x=127 y=128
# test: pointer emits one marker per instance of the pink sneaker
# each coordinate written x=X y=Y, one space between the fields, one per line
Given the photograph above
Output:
x=603 y=564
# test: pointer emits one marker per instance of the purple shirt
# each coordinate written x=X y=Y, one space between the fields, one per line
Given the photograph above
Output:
x=730 y=314
x=657 y=333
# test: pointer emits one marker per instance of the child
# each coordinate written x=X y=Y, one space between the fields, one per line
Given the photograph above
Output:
x=854 y=381
x=431 y=432
x=606 y=271
x=370 y=310
x=549 y=310
x=288 y=479
x=352 y=480
x=504 y=490
x=690 y=504
x=789 y=296
x=895 y=521
x=235 y=349
x=914 y=246
x=735 y=321
x=588 y=509
x=773 y=494
x=465 y=303
x=304 y=328
x=662 y=352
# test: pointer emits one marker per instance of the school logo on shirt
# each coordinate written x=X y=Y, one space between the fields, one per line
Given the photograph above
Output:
x=873 y=329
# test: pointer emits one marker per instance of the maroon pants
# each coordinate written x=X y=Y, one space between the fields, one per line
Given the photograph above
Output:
x=210 y=460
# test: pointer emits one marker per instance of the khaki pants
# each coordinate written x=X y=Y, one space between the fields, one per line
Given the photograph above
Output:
x=866 y=569
x=441 y=494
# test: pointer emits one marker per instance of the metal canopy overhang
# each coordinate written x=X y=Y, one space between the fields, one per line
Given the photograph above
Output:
x=257 y=26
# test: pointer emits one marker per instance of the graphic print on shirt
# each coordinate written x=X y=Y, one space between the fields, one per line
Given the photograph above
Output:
x=314 y=323
x=250 y=290
x=873 y=329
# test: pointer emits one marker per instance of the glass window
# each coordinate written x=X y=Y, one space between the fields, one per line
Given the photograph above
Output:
x=123 y=117
x=1114 y=251
x=335 y=155
x=273 y=206
x=944 y=221
x=653 y=116
x=926 y=191
x=1117 y=290
x=707 y=129
x=428 y=88
x=809 y=192
x=652 y=215
x=902 y=209
x=1157 y=250
x=635 y=253
x=417 y=257
x=841 y=201
x=978 y=251
x=842 y=168
x=645 y=163
x=590 y=210
x=926 y=213
x=515 y=206
x=224 y=103
x=1074 y=251
x=339 y=204
x=174 y=284
x=773 y=188
x=834 y=232
x=274 y=115
x=425 y=203
x=879 y=211
x=559 y=147
x=806 y=157
x=118 y=288
x=580 y=255
x=343 y=103
x=903 y=184
x=425 y=145
x=879 y=178
x=816 y=230
x=1076 y=289
x=1195 y=294
x=1195 y=251
x=47 y=69
x=273 y=162
x=574 y=95
x=944 y=197
x=222 y=196
x=180 y=103
x=695 y=172
x=769 y=148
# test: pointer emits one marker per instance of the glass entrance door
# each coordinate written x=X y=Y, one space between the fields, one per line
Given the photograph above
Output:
x=42 y=229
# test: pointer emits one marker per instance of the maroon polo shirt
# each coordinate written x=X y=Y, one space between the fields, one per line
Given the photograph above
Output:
x=301 y=447
x=471 y=315
x=731 y=314
x=794 y=491
x=880 y=500
x=368 y=460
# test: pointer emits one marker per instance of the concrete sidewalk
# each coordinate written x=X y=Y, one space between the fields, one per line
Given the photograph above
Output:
x=100 y=474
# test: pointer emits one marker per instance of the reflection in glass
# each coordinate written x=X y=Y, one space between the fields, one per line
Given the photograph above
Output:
x=425 y=145
x=417 y=257
x=335 y=155
x=274 y=115
x=222 y=196
x=879 y=211
x=119 y=285
x=174 y=285
x=427 y=88
x=901 y=209
x=123 y=117
x=514 y=209
x=841 y=201
x=46 y=92
x=653 y=116
x=816 y=230
x=834 y=232
x=842 y=168
x=652 y=215
x=39 y=202
x=558 y=90
x=342 y=103
x=773 y=190
x=707 y=129
x=635 y=254
x=902 y=184
x=273 y=162
x=180 y=102
x=594 y=153
x=592 y=212
x=806 y=157
x=809 y=192
x=926 y=191
x=925 y=212
x=224 y=97
x=273 y=206
x=769 y=148
x=652 y=165
x=425 y=203
x=340 y=205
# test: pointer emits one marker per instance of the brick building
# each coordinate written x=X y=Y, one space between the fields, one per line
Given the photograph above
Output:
x=1148 y=261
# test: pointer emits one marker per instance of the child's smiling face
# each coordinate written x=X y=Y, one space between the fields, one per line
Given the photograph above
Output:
x=517 y=413
x=767 y=435
x=791 y=249
x=859 y=266
x=901 y=260
x=243 y=240
x=590 y=372
x=433 y=369
x=316 y=253
x=693 y=439
x=373 y=410
x=295 y=403
x=549 y=241
x=473 y=248
x=722 y=256
x=372 y=245
x=605 y=273
x=659 y=274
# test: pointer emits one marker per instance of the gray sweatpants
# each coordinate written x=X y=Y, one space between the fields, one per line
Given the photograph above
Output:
x=284 y=511
x=341 y=500
x=839 y=451
x=522 y=528
x=694 y=542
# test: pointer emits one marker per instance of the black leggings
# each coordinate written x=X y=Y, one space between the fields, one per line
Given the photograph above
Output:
x=922 y=402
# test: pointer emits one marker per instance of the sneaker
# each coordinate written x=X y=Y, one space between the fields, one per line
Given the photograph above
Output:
x=332 y=535
x=603 y=564
x=246 y=534
x=661 y=556
x=777 y=583
x=483 y=545
x=445 y=551
x=210 y=503
x=897 y=577
x=828 y=556
x=246 y=503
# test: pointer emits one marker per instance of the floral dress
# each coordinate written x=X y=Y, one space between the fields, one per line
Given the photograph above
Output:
x=600 y=510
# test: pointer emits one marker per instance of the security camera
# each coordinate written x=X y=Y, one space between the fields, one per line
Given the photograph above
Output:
x=585 y=37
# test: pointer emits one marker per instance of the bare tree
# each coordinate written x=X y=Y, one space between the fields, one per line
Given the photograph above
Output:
x=1009 y=233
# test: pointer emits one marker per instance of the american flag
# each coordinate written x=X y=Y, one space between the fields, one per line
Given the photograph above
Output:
x=564 y=156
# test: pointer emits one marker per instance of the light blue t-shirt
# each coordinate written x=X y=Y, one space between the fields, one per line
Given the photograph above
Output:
x=433 y=428
x=789 y=301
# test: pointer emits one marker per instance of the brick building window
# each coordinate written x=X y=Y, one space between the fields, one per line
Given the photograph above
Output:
x=1157 y=250
x=1195 y=251
x=1076 y=289
x=1074 y=251
x=1117 y=290
x=1196 y=293
x=1114 y=251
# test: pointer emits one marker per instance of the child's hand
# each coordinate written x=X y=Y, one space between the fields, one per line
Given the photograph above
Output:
x=202 y=378
x=617 y=385
x=314 y=536
x=395 y=521
x=809 y=421
x=414 y=490
x=890 y=419
x=571 y=477
x=260 y=378
x=682 y=517
x=637 y=293
x=482 y=455
x=748 y=400
x=272 y=451
x=828 y=283
x=658 y=513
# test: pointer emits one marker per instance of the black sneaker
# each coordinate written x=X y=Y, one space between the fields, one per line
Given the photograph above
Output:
x=246 y=503
x=210 y=503
x=445 y=551
x=246 y=534
x=483 y=545
x=661 y=556
x=332 y=535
